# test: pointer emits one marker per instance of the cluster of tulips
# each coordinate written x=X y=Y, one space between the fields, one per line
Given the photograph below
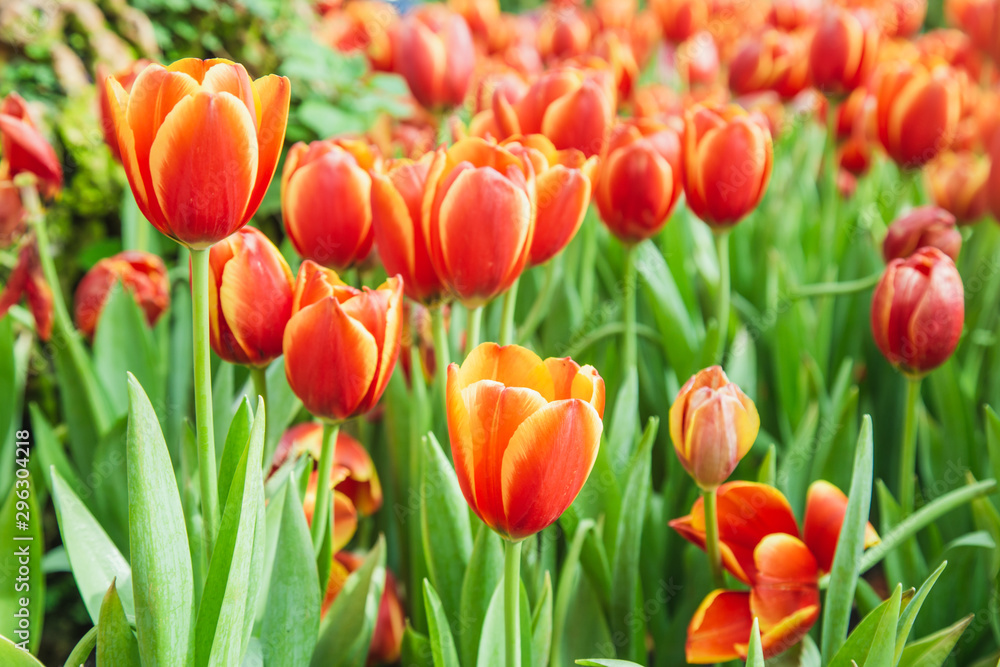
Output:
x=557 y=117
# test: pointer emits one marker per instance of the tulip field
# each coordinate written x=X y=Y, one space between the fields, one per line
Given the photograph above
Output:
x=499 y=333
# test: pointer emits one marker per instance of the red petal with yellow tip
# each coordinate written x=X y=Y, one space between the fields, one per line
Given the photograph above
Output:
x=786 y=579
x=510 y=365
x=563 y=197
x=721 y=622
x=579 y=120
x=826 y=506
x=273 y=94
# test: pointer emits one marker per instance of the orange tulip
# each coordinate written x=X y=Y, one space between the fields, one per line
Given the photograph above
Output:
x=524 y=435
x=476 y=185
x=435 y=54
x=640 y=179
x=681 y=19
x=199 y=142
x=24 y=149
x=918 y=111
x=317 y=174
x=362 y=25
x=142 y=274
x=918 y=310
x=617 y=51
x=793 y=14
x=341 y=343
x=922 y=227
x=727 y=163
x=615 y=14
x=844 y=51
x=562 y=33
x=27 y=280
x=481 y=16
x=125 y=78
x=825 y=509
x=249 y=298
x=387 y=638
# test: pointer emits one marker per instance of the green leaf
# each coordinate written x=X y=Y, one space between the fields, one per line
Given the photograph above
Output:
x=875 y=630
x=541 y=625
x=51 y=454
x=492 y=644
x=346 y=631
x=992 y=424
x=444 y=521
x=672 y=318
x=162 y=580
x=568 y=578
x=232 y=450
x=416 y=649
x=116 y=643
x=291 y=619
x=933 y=650
x=909 y=615
x=883 y=648
x=12 y=656
x=21 y=576
x=850 y=545
x=606 y=662
x=481 y=578
x=14 y=356
x=442 y=645
x=83 y=403
x=767 y=472
x=619 y=438
x=95 y=560
x=755 y=652
x=223 y=406
x=228 y=603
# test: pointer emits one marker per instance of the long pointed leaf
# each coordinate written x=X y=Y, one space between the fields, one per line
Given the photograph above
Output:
x=116 y=643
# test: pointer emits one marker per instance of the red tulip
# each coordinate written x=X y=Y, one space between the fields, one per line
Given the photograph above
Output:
x=387 y=638
x=435 y=54
x=24 y=149
x=141 y=274
x=524 y=435
x=844 y=51
x=199 y=142
x=341 y=343
x=12 y=215
x=922 y=227
x=125 y=78
x=775 y=61
x=697 y=60
x=27 y=280
x=681 y=19
x=793 y=14
x=562 y=33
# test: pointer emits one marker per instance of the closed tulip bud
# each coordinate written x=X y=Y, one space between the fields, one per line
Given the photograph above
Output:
x=141 y=274
x=958 y=184
x=390 y=623
x=479 y=218
x=681 y=19
x=199 y=142
x=844 y=51
x=921 y=227
x=27 y=280
x=918 y=111
x=524 y=435
x=562 y=33
x=727 y=163
x=918 y=310
x=24 y=149
x=315 y=176
x=434 y=52
x=713 y=424
x=125 y=78
x=249 y=299
x=640 y=179
x=341 y=343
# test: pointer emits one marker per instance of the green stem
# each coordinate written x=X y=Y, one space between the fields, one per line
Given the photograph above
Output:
x=830 y=194
x=259 y=377
x=836 y=289
x=722 y=313
x=507 y=319
x=418 y=413
x=81 y=652
x=511 y=600
x=322 y=512
x=203 y=397
x=908 y=460
x=472 y=326
x=629 y=353
x=712 y=537
x=541 y=304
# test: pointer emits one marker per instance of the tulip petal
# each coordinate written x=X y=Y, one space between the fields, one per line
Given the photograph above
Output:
x=272 y=93
x=460 y=435
x=563 y=195
x=380 y=312
x=231 y=78
x=547 y=462
x=721 y=622
x=579 y=120
x=572 y=381
x=826 y=506
x=510 y=365
x=786 y=580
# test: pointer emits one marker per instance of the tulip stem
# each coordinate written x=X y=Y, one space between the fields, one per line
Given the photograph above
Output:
x=203 y=397
x=472 y=326
x=908 y=460
x=507 y=320
x=32 y=204
x=442 y=353
x=629 y=353
x=541 y=304
x=322 y=512
x=511 y=600
x=259 y=377
x=712 y=537
x=722 y=314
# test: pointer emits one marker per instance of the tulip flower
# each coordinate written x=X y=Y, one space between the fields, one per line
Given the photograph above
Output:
x=918 y=309
x=387 y=637
x=199 y=142
x=250 y=298
x=27 y=280
x=697 y=60
x=365 y=26
x=993 y=181
x=844 y=51
x=125 y=79
x=922 y=227
x=793 y=14
x=24 y=149
x=727 y=163
x=476 y=185
x=562 y=33
x=774 y=61
x=918 y=111
x=12 y=214
x=905 y=17
x=681 y=19
x=316 y=174
x=433 y=51
x=640 y=179
x=761 y=547
x=141 y=274
x=618 y=52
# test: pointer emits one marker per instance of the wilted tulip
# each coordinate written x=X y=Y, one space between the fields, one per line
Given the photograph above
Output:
x=844 y=51
x=387 y=637
x=250 y=298
x=681 y=19
x=125 y=78
x=958 y=185
x=199 y=142
x=435 y=54
x=24 y=149
x=921 y=227
x=27 y=280
x=918 y=310
x=524 y=435
x=727 y=163
x=326 y=200
x=341 y=343
x=713 y=424
x=640 y=179
x=918 y=111
x=141 y=274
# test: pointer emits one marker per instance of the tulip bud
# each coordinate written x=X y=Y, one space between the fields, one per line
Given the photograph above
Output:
x=341 y=343
x=681 y=19
x=921 y=227
x=142 y=274
x=562 y=34
x=125 y=78
x=524 y=435
x=918 y=111
x=918 y=310
x=24 y=149
x=28 y=280
x=727 y=163
x=844 y=51
x=316 y=174
x=713 y=424
x=435 y=54
x=387 y=637
x=250 y=298
x=640 y=179
x=958 y=185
